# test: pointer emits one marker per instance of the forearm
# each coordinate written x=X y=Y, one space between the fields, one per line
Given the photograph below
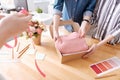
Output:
x=56 y=22
x=107 y=39
x=1 y=16
x=3 y=36
x=88 y=13
x=96 y=46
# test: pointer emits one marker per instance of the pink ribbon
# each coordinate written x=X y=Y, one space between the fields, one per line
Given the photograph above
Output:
x=9 y=46
x=43 y=74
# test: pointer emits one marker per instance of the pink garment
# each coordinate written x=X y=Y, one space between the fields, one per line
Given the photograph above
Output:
x=71 y=43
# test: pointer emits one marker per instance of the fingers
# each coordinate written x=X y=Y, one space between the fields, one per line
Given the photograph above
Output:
x=59 y=39
x=55 y=38
x=81 y=32
x=28 y=18
x=20 y=14
x=90 y=51
x=87 y=54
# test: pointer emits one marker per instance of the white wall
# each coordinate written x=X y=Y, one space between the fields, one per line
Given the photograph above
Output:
x=50 y=6
x=34 y=4
x=43 y=4
x=8 y=4
x=31 y=5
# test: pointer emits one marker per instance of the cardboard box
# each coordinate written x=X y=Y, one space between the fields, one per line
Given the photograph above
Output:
x=67 y=57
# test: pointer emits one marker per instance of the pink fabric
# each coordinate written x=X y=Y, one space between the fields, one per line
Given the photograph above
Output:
x=71 y=43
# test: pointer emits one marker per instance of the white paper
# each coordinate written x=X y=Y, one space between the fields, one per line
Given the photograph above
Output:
x=40 y=56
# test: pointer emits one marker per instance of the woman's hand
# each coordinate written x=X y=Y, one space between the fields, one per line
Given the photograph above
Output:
x=90 y=51
x=82 y=31
x=84 y=28
x=57 y=37
x=15 y=23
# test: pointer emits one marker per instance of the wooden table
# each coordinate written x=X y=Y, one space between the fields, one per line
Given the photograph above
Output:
x=74 y=70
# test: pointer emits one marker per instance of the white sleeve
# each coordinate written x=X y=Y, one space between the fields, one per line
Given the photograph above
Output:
x=115 y=33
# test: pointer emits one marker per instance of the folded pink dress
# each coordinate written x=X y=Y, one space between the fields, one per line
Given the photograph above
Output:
x=71 y=43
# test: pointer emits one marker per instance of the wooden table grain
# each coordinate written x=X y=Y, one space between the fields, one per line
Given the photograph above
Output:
x=74 y=70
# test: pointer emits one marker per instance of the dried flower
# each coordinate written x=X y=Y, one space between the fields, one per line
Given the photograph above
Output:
x=35 y=29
